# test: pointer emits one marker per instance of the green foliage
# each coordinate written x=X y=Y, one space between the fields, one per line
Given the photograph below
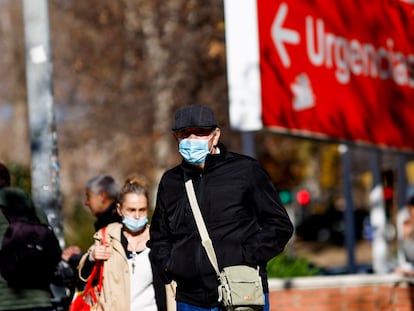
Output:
x=285 y=266
x=20 y=176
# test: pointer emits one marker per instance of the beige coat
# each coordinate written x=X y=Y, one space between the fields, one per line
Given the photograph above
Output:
x=116 y=282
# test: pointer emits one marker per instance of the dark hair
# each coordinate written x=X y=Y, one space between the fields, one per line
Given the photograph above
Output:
x=133 y=184
x=411 y=201
x=4 y=176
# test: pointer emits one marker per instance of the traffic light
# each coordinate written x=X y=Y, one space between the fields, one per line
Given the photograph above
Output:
x=285 y=196
x=303 y=197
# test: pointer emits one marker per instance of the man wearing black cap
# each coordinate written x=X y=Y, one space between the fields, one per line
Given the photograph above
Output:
x=244 y=216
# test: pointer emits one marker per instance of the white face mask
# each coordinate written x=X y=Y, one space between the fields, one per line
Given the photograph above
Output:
x=135 y=225
x=194 y=151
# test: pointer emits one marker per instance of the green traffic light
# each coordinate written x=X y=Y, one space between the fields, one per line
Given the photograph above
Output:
x=285 y=196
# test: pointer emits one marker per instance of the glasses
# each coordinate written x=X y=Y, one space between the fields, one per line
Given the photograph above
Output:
x=192 y=131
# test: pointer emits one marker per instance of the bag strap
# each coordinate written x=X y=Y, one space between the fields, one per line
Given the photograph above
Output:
x=101 y=264
x=205 y=238
x=97 y=268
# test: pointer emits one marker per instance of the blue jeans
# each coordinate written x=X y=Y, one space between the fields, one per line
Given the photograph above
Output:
x=181 y=306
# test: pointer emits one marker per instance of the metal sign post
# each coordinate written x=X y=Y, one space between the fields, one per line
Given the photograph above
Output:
x=43 y=137
x=377 y=217
x=349 y=208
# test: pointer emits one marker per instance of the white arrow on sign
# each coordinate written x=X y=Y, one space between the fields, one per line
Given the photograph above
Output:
x=282 y=35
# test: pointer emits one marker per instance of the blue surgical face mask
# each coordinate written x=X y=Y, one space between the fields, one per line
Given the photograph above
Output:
x=135 y=225
x=194 y=151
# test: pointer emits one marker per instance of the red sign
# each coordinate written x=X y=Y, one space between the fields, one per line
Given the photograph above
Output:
x=339 y=69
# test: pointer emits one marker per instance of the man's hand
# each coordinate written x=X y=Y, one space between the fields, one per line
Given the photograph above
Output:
x=70 y=251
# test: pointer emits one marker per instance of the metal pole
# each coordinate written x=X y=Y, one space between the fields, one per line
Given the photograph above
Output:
x=401 y=204
x=349 y=208
x=401 y=181
x=248 y=144
x=43 y=137
x=378 y=217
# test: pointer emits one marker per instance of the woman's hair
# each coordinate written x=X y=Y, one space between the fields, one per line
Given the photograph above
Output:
x=133 y=184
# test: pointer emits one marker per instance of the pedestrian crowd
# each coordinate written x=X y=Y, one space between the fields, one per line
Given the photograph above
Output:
x=162 y=261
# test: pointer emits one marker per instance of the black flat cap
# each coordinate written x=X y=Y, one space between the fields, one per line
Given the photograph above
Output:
x=194 y=116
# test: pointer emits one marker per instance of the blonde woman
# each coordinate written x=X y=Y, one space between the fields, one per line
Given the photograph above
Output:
x=129 y=282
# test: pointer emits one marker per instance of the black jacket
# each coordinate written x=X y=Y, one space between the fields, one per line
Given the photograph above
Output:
x=243 y=214
x=108 y=216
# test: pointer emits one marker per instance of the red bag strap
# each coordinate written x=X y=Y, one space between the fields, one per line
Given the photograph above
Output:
x=97 y=268
x=100 y=263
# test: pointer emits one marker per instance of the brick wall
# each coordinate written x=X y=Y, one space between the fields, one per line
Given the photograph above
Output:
x=390 y=292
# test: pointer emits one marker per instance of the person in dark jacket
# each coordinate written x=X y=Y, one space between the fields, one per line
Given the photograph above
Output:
x=244 y=216
x=12 y=298
x=101 y=198
x=101 y=194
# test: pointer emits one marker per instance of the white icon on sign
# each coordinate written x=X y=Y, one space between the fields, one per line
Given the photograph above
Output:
x=282 y=35
x=303 y=97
